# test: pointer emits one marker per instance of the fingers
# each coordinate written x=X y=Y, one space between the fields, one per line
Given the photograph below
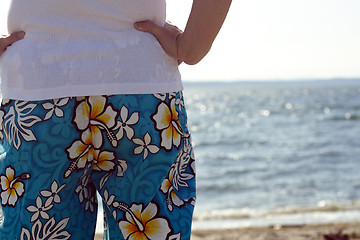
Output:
x=150 y=27
x=7 y=41
x=166 y=35
x=15 y=37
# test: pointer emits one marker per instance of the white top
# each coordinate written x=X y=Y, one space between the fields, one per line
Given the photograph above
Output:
x=85 y=47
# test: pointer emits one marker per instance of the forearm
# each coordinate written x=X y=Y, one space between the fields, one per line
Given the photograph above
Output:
x=204 y=23
x=190 y=46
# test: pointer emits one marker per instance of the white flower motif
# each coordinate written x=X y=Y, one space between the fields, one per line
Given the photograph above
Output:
x=87 y=192
x=50 y=230
x=179 y=101
x=55 y=107
x=11 y=186
x=121 y=167
x=108 y=200
x=114 y=214
x=91 y=200
x=39 y=209
x=144 y=146
x=104 y=179
x=175 y=237
x=17 y=122
x=125 y=123
x=81 y=189
x=53 y=195
x=179 y=174
x=177 y=178
x=172 y=95
x=161 y=96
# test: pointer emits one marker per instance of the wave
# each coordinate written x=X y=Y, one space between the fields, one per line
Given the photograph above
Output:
x=323 y=206
x=324 y=212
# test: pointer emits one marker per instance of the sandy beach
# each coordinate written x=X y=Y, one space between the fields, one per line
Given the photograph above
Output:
x=343 y=231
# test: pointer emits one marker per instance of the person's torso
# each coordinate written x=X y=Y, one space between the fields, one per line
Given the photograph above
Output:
x=85 y=47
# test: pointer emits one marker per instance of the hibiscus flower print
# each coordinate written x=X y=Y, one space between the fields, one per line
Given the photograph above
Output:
x=104 y=161
x=172 y=198
x=80 y=152
x=144 y=224
x=11 y=187
x=95 y=114
x=177 y=178
x=167 y=122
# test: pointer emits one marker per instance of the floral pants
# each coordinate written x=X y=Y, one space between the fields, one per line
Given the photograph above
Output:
x=134 y=150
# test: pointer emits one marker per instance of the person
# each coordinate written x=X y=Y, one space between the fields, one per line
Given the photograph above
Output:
x=92 y=103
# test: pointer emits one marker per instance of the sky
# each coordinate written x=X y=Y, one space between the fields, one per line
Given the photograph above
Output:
x=274 y=40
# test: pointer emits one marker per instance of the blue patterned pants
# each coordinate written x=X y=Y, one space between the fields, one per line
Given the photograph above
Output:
x=134 y=150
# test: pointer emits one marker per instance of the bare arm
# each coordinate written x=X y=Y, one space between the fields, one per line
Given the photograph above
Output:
x=204 y=23
x=8 y=40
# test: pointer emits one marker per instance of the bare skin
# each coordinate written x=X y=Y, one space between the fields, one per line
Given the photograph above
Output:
x=6 y=41
x=190 y=46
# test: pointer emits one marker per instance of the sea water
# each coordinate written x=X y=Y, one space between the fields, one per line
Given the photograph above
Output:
x=273 y=153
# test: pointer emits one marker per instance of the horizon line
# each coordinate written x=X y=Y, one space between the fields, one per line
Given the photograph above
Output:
x=273 y=80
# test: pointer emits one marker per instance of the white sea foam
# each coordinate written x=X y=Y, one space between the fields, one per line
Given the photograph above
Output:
x=280 y=219
x=325 y=212
x=247 y=213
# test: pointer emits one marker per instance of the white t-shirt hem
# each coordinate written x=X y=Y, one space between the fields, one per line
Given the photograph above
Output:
x=91 y=90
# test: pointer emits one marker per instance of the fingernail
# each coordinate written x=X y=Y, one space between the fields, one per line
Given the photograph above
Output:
x=20 y=35
x=138 y=25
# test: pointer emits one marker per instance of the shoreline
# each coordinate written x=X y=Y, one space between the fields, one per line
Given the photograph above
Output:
x=331 y=231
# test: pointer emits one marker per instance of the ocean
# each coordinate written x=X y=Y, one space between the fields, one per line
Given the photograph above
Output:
x=275 y=153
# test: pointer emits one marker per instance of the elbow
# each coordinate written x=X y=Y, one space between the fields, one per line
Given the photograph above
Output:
x=192 y=60
x=192 y=52
x=195 y=54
